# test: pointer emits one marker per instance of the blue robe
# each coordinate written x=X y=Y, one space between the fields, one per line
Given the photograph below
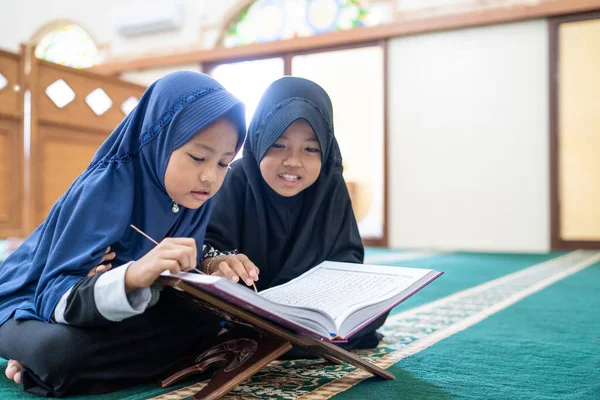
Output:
x=123 y=185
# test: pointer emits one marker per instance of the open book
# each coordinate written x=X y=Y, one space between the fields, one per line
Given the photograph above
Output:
x=332 y=301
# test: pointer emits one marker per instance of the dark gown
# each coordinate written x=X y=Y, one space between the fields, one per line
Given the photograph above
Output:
x=286 y=236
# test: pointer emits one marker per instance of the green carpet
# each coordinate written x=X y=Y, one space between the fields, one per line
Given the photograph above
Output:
x=287 y=380
x=547 y=346
x=465 y=270
x=9 y=391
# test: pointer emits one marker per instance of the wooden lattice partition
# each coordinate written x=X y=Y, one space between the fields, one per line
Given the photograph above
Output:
x=49 y=131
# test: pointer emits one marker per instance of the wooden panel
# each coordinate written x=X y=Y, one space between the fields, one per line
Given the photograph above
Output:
x=78 y=113
x=579 y=130
x=11 y=179
x=556 y=86
x=64 y=140
x=10 y=99
x=65 y=155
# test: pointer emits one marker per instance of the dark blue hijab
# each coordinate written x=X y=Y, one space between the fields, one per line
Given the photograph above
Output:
x=123 y=185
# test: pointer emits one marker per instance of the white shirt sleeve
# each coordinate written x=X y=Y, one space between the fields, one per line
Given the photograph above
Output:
x=112 y=302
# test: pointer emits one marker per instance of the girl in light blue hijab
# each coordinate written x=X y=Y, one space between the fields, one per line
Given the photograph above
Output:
x=158 y=170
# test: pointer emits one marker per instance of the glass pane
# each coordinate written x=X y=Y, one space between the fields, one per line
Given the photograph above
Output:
x=248 y=80
x=68 y=45
x=3 y=82
x=579 y=130
x=60 y=93
x=270 y=20
x=354 y=81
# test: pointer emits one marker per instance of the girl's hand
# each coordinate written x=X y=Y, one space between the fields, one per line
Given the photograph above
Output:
x=234 y=268
x=172 y=254
x=100 y=268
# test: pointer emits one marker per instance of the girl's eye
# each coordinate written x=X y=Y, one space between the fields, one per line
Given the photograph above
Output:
x=197 y=159
x=312 y=150
x=277 y=146
x=223 y=165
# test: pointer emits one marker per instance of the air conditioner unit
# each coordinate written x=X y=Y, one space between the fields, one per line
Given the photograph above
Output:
x=149 y=18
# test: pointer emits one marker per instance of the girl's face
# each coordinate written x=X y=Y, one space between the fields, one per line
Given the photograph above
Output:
x=293 y=162
x=196 y=170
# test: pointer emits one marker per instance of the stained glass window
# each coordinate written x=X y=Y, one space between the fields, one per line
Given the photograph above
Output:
x=270 y=20
x=68 y=45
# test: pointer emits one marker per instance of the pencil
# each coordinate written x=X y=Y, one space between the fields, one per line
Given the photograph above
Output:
x=156 y=243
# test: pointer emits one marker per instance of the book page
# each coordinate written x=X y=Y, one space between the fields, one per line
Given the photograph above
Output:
x=192 y=277
x=340 y=289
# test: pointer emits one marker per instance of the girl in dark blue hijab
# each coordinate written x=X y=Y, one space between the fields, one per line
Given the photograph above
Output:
x=285 y=205
x=158 y=171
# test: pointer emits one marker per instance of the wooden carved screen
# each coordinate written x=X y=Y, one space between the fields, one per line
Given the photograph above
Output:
x=71 y=112
x=65 y=137
x=11 y=145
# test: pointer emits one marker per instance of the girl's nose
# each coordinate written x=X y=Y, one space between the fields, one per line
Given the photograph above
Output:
x=292 y=160
x=208 y=175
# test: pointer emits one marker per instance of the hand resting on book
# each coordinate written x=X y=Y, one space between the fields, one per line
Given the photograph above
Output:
x=234 y=267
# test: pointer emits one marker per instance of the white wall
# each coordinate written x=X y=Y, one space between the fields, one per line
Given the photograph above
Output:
x=468 y=139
